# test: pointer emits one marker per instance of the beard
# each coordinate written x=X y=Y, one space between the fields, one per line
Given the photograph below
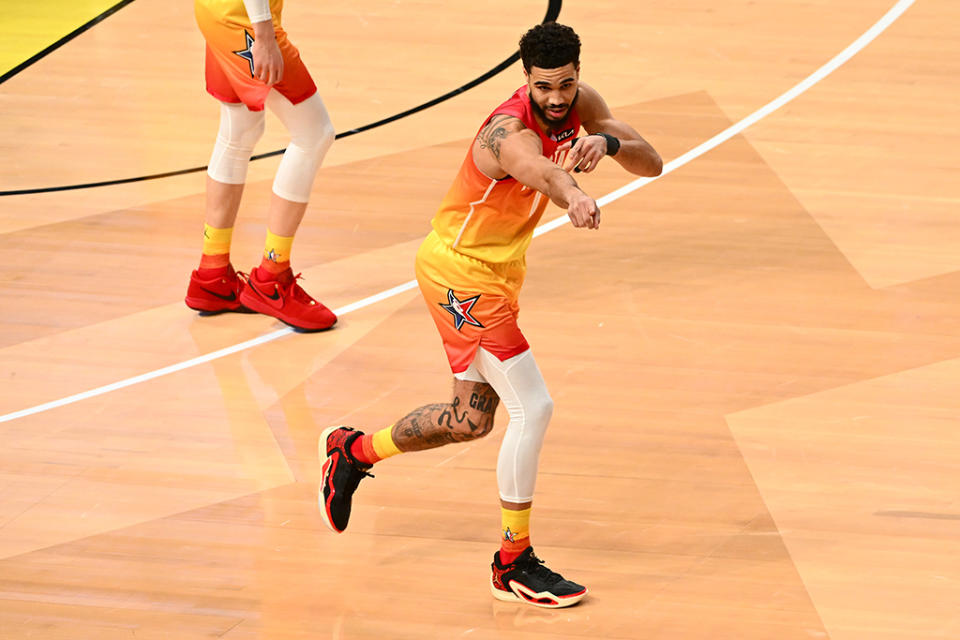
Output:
x=550 y=120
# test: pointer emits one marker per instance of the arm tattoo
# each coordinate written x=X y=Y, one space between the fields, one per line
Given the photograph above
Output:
x=499 y=127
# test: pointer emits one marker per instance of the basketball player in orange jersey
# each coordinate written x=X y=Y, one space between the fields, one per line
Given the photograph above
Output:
x=470 y=269
x=251 y=63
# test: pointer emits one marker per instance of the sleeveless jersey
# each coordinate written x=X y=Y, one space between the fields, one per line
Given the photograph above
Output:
x=234 y=11
x=493 y=220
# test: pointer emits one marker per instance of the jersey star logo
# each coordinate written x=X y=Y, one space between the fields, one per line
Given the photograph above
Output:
x=460 y=309
x=247 y=54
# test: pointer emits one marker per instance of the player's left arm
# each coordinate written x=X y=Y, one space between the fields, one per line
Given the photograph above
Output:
x=609 y=136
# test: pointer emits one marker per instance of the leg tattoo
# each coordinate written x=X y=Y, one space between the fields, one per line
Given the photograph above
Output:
x=468 y=416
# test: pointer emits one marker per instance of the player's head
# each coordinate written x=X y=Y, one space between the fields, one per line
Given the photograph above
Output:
x=551 y=65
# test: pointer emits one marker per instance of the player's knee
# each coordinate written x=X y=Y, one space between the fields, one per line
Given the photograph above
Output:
x=248 y=138
x=538 y=410
x=256 y=132
x=483 y=421
x=308 y=123
x=240 y=128
x=473 y=424
x=470 y=416
x=316 y=139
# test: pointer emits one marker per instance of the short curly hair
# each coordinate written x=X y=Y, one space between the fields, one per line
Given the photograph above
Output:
x=548 y=46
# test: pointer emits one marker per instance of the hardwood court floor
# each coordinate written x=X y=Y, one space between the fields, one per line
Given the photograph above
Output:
x=754 y=360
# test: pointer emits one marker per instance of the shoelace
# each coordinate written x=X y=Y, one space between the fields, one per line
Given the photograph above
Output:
x=536 y=567
x=243 y=277
x=353 y=461
x=356 y=475
x=297 y=291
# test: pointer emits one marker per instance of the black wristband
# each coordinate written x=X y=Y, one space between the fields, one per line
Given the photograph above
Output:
x=613 y=144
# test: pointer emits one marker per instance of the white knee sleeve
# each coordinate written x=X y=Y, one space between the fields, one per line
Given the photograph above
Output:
x=239 y=131
x=311 y=134
x=523 y=392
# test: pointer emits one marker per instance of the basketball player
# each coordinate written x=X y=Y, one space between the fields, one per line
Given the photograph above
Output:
x=470 y=269
x=251 y=63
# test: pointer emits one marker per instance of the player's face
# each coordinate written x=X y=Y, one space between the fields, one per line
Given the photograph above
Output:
x=553 y=92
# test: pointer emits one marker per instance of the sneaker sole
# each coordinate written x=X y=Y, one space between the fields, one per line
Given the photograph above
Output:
x=324 y=460
x=211 y=308
x=559 y=601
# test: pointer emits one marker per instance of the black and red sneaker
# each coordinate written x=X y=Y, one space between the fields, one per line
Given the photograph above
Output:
x=527 y=579
x=217 y=294
x=341 y=476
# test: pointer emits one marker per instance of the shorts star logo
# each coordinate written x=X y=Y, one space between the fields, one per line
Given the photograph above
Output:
x=460 y=309
x=247 y=54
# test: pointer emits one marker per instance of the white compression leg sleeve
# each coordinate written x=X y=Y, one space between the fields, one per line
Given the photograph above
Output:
x=311 y=134
x=523 y=392
x=239 y=131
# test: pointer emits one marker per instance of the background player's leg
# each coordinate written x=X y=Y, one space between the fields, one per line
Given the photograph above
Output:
x=272 y=288
x=214 y=286
x=240 y=129
x=311 y=134
x=223 y=202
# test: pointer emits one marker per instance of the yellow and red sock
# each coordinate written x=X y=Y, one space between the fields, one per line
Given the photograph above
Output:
x=276 y=253
x=374 y=447
x=216 y=251
x=514 y=533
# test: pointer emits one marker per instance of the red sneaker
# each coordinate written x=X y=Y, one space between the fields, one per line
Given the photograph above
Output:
x=283 y=299
x=221 y=293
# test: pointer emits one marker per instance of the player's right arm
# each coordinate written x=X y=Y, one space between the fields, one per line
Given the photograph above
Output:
x=267 y=59
x=506 y=147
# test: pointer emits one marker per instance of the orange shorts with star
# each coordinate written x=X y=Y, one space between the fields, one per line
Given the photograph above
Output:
x=229 y=65
x=472 y=302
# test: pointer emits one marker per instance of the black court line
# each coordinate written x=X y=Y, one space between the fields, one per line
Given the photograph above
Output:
x=553 y=11
x=64 y=40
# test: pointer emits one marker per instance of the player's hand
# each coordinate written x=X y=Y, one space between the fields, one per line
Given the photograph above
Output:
x=585 y=153
x=267 y=60
x=583 y=211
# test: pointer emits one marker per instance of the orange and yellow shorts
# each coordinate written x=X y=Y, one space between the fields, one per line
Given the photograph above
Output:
x=473 y=303
x=229 y=65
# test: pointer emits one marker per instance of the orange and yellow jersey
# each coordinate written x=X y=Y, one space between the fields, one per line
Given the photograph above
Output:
x=234 y=11
x=493 y=220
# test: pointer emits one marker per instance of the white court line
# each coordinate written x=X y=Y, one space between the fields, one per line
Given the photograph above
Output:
x=889 y=18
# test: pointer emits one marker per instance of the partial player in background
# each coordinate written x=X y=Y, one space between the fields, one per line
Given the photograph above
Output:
x=470 y=270
x=251 y=63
